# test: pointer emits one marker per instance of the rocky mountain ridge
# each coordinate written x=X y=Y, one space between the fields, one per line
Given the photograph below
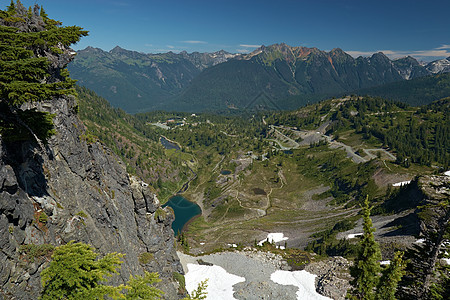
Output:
x=287 y=75
x=136 y=81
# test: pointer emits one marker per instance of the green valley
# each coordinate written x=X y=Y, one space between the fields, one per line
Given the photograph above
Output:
x=291 y=172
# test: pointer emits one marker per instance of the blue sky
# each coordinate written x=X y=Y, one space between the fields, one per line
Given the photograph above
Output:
x=359 y=27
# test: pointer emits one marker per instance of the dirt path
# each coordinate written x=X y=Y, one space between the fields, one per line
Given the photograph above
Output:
x=371 y=156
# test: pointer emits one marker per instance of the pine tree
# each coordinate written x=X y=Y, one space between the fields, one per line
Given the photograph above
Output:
x=76 y=273
x=26 y=74
x=366 y=266
x=140 y=287
x=390 y=278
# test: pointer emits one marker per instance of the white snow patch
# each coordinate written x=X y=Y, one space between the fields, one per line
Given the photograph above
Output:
x=447 y=173
x=419 y=241
x=220 y=282
x=232 y=245
x=353 y=235
x=401 y=183
x=274 y=238
x=301 y=279
x=202 y=243
x=385 y=262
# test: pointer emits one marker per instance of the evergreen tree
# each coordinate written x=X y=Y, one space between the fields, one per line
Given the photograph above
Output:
x=76 y=273
x=140 y=287
x=26 y=73
x=366 y=266
x=390 y=278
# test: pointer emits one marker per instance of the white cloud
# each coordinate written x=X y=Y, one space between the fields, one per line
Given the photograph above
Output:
x=170 y=47
x=443 y=47
x=249 y=46
x=242 y=50
x=442 y=51
x=194 y=42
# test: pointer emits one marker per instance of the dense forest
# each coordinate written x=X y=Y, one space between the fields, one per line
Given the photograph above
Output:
x=416 y=134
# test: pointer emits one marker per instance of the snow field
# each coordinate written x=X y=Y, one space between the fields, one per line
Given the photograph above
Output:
x=220 y=282
x=301 y=279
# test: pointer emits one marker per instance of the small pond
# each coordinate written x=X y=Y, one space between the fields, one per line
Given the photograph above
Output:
x=225 y=172
x=184 y=211
x=168 y=144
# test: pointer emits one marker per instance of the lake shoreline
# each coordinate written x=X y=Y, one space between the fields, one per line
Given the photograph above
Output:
x=185 y=211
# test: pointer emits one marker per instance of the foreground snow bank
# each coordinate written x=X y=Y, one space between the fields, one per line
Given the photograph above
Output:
x=220 y=282
x=301 y=279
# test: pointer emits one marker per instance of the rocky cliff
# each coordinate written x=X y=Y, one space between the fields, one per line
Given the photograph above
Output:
x=73 y=189
x=87 y=195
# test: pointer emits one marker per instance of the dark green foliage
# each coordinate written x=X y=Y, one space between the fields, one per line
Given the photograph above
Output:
x=419 y=136
x=140 y=287
x=326 y=243
x=26 y=75
x=184 y=243
x=12 y=129
x=390 y=278
x=76 y=273
x=366 y=266
x=417 y=91
x=367 y=283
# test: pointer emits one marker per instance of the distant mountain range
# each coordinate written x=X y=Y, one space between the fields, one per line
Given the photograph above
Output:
x=277 y=76
x=136 y=81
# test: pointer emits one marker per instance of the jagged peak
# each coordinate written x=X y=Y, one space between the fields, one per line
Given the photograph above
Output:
x=92 y=49
x=379 y=56
x=337 y=51
x=117 y=49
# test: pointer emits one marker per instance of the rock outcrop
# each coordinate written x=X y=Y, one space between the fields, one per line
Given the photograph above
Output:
x=332 y=276
x=75 y=189
x=86 y=195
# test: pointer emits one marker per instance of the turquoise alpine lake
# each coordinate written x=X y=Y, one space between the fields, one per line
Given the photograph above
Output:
x=184 y=211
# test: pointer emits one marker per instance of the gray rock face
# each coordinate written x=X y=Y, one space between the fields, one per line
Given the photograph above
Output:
x=332 y=276
x=87 y=195
x=71 y=190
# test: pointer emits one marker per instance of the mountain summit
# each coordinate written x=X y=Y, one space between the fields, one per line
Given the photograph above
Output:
x=288 y=76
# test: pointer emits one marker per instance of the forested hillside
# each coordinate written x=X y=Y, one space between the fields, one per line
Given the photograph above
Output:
x=131 y=140
x=416 y=134
x=416 y=92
